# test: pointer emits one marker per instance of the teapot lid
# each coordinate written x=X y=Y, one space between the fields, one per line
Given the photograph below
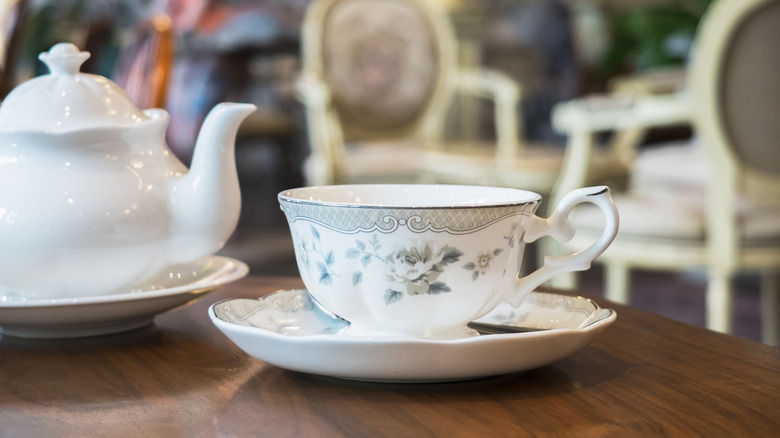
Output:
x=67 y=100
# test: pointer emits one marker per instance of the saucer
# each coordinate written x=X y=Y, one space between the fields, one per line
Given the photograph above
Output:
x=99 y=315
x=288 y=329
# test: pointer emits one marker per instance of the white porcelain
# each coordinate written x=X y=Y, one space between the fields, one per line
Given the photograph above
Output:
x=135 y=308
x=424 y=260
x=289 y=330
x=91 y=198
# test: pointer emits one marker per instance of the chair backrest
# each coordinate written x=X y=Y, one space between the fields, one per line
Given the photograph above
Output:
x=736 y=93
x=735 y=78
x=387 y=63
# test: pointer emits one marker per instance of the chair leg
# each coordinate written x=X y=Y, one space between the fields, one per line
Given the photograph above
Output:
x=617 y=286
x=719 y=302
x=770 y=310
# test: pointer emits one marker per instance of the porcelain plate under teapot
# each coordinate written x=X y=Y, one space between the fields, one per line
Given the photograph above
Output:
x=91 y=198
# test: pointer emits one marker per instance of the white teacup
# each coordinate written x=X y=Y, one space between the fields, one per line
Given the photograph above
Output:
x=425 y=260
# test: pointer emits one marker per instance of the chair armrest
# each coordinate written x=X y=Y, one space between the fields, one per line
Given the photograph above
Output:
x=608 y=113
x=505 y=94
x=487 y=83
x=655 y=82
x=311 y=91
x=583 y=118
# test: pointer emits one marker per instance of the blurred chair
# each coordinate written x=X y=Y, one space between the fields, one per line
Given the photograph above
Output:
x=12 y=16
x=711 y=203
x=378 y=78
x=145 y=67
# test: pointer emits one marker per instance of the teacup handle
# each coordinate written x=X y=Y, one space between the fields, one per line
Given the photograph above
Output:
x=560 y=228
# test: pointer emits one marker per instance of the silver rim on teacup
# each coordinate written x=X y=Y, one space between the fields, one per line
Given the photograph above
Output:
x=424 y=260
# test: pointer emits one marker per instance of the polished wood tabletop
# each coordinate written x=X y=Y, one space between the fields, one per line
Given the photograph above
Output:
x=645 y=376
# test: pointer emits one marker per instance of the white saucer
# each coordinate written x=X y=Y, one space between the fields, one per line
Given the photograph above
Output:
x=288 y=329
x=90 y=316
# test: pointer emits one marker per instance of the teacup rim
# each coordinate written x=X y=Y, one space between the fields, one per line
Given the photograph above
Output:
x=528 y=197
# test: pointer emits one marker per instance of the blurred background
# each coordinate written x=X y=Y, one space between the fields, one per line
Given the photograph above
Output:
x=188 y=55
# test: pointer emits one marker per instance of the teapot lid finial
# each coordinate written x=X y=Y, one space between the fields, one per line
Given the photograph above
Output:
x=64 y=58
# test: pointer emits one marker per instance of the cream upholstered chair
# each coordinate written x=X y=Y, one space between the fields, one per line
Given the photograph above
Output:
x=378 y=78
x=712 y=203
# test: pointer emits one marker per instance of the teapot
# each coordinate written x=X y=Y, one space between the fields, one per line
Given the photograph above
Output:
x=92 y=200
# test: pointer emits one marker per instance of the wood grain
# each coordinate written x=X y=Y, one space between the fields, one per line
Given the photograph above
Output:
x=646 y=375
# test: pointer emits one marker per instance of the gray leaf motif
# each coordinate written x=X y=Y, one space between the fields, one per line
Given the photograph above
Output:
x=392 y=296
x=451 y=255
x=438 y=287
x=325 y=275
x=365 y=255
x=511 y=236
x=325 y=262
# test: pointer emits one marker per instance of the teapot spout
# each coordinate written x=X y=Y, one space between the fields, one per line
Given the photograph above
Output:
x=206 y=201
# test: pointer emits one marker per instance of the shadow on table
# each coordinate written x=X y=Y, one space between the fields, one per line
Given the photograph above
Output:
x=564 y=376
x=112 y=369
x=287 y=397
x=145 y=334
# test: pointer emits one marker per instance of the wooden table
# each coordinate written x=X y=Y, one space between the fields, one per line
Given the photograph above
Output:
x=645 y=376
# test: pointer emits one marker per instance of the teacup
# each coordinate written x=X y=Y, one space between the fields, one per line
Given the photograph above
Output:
x=425 y=260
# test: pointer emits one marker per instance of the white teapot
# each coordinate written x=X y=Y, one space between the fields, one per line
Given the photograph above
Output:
x=91 y=198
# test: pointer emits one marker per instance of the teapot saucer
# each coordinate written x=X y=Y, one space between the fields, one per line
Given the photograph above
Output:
x=288 y=329
x=124 y=311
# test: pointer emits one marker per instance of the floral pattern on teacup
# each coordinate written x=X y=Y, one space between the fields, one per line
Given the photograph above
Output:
x=365 y=251
x=481 y=264
x=311 y=249
x=415 y=268
x=510 y=238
